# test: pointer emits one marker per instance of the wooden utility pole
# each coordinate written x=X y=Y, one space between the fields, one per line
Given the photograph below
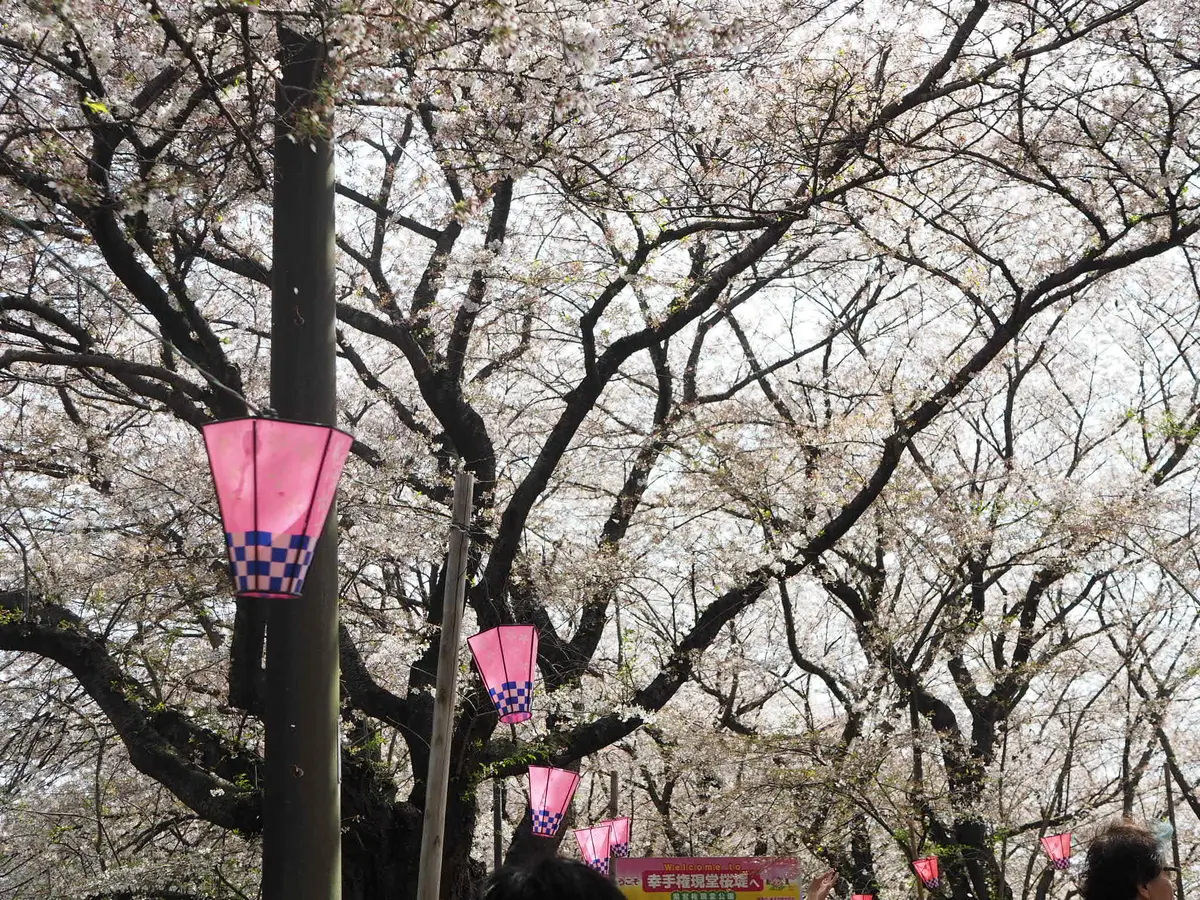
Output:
x=301 y=792
x=918 y=775
x=433 y=833
x=497 y=824
x=1174 y=832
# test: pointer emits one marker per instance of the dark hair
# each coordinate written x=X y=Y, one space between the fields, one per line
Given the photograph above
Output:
x=1122 y=857
x=549 y=878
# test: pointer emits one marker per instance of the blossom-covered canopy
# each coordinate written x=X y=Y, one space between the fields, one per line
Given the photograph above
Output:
x=595 y=844
x=620 y=835
x=927 y=871
x=505 y=657
x=550 y=793
x=275 y=483
x=1058 y=848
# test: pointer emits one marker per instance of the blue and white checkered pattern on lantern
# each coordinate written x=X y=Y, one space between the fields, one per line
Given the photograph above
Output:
x=262 y=562
x=545 y=823
x=1062 y=864
x=933 y=882
x=621 y=850
x=513 y=697
x=600 y=865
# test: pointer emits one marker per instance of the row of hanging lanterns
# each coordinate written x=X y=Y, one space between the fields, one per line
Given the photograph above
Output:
x=505 y=657
x=275 y=482
x=603 y=840
x=1056 y=846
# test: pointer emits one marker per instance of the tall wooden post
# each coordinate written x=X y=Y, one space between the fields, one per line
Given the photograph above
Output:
x=614 y=785
x=497 y=824
x=1175 y=860
x=918 y=775
x=433 y=833
x=301 y=794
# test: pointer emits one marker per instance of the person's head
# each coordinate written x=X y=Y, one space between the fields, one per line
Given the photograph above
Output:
x=549 y=878
x=1124 y=862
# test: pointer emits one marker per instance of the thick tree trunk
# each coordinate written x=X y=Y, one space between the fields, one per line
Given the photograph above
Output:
x=381 y=841
x=380 y=849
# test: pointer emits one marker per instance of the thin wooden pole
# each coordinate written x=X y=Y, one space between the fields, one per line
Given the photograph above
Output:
x=1174 y=832
x=918 y=775
x=614 y=785
x=497 y=824
x=433 y=833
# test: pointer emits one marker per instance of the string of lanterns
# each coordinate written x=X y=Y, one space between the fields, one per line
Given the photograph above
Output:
x=275 y=482
x=604 y=840
x=1056 y=846
x=505 y=657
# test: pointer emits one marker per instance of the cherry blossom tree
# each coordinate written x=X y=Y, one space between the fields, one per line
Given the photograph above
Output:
x=1004 y=651
x=757 y=325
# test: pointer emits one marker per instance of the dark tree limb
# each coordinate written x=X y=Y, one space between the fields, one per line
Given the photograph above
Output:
x=201 y=768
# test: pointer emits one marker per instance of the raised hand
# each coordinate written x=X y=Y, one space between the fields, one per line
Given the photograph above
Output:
x=821 y=885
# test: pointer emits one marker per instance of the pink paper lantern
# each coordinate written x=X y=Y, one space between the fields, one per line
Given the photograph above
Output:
x=862 y=897
x=505 y=657
x=1058 y=848
x=275 y=482
x=927 y=871
x=620 y=835
x=550 y=793
x=595 y=844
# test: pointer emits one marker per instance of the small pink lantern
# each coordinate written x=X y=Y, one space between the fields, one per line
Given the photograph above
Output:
x=595 y=844
x=620 y=835
x=505 y=657
x=862 y=897
x=1058 y=848
x=275 y=483
x=550 y=793
x=927 y=871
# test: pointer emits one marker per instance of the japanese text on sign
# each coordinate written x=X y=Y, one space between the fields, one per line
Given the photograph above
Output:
x=708 y=878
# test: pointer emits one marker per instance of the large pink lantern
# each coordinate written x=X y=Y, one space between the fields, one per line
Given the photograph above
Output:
x=595 y=845
x=275 y=483
x=550 y=793
x=620 y=835
x=927 y=871
x=1058 y=848
x=506 y=657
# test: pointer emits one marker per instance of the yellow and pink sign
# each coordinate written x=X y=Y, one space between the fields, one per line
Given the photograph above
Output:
x=708 y=878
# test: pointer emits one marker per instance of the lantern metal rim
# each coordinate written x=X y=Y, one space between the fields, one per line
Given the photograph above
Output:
x=516 y=718
x=281 y=421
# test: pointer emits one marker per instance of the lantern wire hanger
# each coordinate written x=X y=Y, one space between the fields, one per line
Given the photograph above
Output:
x=108 y=297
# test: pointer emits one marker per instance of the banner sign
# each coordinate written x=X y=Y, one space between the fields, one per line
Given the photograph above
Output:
x=708 y=878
